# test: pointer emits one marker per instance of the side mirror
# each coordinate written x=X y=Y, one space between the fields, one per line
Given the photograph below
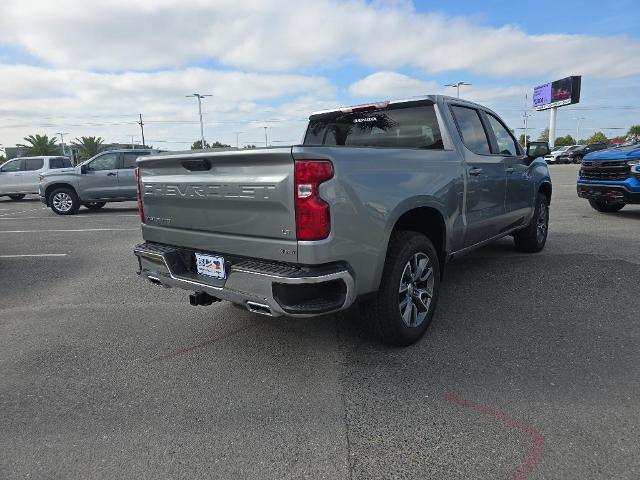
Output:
x=83 y=169
x=537 y=149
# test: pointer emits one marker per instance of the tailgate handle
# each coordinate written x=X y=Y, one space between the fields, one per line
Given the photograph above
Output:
x=197 y=165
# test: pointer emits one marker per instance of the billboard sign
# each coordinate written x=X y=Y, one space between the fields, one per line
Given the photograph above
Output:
x=565 y=91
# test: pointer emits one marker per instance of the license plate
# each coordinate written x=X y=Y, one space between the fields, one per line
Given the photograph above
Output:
x=210 y=265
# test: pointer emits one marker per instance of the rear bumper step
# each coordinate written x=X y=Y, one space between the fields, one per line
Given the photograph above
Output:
x=268 y=288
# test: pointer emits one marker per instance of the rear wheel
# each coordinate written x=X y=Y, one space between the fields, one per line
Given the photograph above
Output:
x=16 y=196
x=406 y=301
x=64 y=201
x=533 y=238
x=606 y=207
x=95 y=205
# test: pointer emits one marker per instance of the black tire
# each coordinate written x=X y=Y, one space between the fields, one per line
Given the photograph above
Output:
x=64 y=201
x=606 y=207
x=533 y=238
x=94 y=205
x=16 y=196
x=384 y=312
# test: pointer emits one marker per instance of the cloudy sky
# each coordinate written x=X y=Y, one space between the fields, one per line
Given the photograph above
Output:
x=90 y=67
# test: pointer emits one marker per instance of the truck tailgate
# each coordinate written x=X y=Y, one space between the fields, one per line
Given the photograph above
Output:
x=230 y=202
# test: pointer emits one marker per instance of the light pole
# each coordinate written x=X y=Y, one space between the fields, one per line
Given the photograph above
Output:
x=62 y=134
x=577 y=119
x=457 y=85
x=238 y=138
x=526 y=116
x=266 y=142
x=200 y=97
x=142 y=129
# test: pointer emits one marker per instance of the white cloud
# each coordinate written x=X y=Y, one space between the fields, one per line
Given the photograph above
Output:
x=391 y=85
x=394 y=85
x=289 y=34
x=45 y=100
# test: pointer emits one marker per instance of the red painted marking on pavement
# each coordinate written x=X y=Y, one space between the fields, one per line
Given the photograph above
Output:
x=206 y=343
x=534 y=453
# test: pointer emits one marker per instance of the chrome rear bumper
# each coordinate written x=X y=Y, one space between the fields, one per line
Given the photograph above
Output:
x=268 y=288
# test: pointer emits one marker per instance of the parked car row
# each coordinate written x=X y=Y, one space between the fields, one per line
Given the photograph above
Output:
x=106 y=177
x=573 y=153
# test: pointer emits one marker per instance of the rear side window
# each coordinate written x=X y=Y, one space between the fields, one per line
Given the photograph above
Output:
x=471 y=129
x=33 y=163
x=59 y=163
x=410 y=127
x=506 y=143
x=130 y=158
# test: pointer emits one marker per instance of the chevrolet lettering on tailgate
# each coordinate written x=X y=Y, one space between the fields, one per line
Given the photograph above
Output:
x=261 y=192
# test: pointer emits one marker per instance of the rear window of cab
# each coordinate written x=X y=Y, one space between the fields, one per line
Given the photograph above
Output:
x=409 y=127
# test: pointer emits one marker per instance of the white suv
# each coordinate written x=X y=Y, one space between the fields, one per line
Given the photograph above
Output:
x=553 y=156
x=19 y=176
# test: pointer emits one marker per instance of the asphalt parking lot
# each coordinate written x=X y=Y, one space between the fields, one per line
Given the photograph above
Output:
x=531 y=368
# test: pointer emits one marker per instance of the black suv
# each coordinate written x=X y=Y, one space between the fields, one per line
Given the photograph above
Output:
x=575 y=154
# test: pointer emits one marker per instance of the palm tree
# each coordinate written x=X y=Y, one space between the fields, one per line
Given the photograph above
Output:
x=197 y=145
x=40 y=145
x=634 y=130
x=88 y=146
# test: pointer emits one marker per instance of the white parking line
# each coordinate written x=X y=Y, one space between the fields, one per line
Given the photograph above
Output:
x=35 y=255
x=74 y=230
x=69 y=217
x=22 y=211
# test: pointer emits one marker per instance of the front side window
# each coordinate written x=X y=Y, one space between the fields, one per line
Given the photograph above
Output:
x=506 y=143
x=33 y=163
x=471 y=129
x=108 y=161
x=11 y=166
x=401 y=127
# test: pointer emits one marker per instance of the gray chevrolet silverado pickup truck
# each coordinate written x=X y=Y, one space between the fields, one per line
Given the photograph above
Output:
x=369 y=207
x=105 y=177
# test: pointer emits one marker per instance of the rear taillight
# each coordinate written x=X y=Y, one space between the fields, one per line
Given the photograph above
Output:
x=312 y=213
x=139 y=189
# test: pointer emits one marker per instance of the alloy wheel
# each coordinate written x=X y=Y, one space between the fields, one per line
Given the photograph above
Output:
x=416 y=289
x=542 y=225
x=62 y=202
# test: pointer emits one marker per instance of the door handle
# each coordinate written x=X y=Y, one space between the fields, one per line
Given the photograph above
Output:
x=475 y=171
x=510 y=170
x=111 y=174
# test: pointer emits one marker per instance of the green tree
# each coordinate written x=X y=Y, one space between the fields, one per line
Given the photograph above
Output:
x=249 y=147
x=2 y=159
x=197 y=145
x=566 y=140
x=544 y=135
x=597 y=137
x=523 y=141
x=634 y=130
x=40 y=145
x=88 y=146
x=217 y=144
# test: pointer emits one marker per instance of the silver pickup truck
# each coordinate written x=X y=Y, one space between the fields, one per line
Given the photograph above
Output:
x=370 y=206
x=105 y=177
